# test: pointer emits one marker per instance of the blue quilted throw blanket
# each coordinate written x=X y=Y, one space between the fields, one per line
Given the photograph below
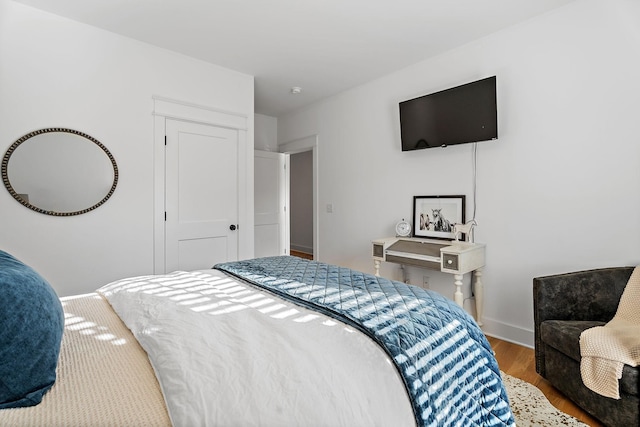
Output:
x=447 y=365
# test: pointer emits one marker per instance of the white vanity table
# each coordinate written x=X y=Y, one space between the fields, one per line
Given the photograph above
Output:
x=453 y=257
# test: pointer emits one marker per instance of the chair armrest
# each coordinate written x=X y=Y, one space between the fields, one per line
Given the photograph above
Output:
x=583 y=295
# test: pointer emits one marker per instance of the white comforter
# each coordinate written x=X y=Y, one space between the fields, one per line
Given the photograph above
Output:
x=229 y=354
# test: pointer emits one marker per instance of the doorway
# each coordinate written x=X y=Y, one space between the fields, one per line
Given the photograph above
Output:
x=306 y=243
x=199 y=134
x=301 y=204
x=201 y=195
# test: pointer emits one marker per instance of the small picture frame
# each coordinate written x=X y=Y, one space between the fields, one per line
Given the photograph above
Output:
x=435 y=216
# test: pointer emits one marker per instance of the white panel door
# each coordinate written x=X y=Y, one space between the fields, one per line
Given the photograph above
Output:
x=201 y=195
x=270 y=204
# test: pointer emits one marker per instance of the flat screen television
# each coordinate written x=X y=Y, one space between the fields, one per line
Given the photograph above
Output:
x=459 y=115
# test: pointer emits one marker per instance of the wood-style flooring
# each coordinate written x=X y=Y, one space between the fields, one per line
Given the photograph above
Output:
x=519 y=362
x=301 y=254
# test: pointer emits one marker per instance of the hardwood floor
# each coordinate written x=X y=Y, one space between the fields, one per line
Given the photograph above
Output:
x=301 y=254
x=519 y=362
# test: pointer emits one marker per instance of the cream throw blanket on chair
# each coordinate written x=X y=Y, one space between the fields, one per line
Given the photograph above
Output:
x=606 y=349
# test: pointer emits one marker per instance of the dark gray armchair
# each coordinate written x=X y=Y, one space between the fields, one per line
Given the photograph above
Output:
x=564 y=305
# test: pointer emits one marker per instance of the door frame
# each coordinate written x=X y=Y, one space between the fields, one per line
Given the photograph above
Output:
x=165 y=108
x=308 y=143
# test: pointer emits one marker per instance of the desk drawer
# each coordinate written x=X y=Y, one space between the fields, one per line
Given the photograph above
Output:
x=431 y=265
x=450 y=261
x=378 y=250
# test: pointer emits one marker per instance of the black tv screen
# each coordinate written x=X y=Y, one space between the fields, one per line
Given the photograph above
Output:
x=462 y=114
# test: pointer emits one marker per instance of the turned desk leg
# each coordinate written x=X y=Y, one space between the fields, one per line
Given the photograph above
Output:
x=457 y=295
x=479 y=293
x=403 y=274
x=376 y=265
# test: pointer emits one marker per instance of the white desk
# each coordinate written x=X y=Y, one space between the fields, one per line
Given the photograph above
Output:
x=457 y=258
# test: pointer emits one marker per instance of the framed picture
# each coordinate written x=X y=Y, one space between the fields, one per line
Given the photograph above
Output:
x=434 y=216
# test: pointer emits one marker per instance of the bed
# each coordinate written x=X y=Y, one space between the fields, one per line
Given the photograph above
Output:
x=273 y=341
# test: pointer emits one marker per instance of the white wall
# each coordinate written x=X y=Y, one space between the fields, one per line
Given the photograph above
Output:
x=55 y=72
x=266 y=133
x=558 y=191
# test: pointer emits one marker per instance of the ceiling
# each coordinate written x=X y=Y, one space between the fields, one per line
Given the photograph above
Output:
x=322 y=46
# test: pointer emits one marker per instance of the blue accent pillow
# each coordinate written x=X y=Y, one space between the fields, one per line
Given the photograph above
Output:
x=31 y=326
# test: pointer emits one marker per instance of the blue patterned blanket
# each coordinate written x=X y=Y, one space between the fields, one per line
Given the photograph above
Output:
x=445 y=361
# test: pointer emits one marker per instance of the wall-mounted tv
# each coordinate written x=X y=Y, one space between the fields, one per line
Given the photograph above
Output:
x=459 y=115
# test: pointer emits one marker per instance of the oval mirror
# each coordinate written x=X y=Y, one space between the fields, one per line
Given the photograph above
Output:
x=59 y=172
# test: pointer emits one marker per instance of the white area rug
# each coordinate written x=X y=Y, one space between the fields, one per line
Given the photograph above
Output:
x=531 y=408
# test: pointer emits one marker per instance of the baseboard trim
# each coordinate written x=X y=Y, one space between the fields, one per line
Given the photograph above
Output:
x=506 y=332
x=301 y=248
